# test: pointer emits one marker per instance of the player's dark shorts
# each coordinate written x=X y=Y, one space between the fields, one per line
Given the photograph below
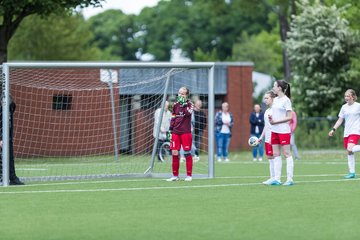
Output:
x=178 y=140
x=353 y=138
x=280 y=138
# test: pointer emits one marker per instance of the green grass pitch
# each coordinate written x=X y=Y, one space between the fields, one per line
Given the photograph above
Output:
x=234 y=205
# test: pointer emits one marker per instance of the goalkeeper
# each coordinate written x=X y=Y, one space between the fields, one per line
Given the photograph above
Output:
x=180 y=134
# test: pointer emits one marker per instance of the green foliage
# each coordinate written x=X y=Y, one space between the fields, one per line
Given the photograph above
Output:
x=239 y=30
x=208 y=27
x=57 y=37
x=321 y=46
x=217 y=24
x=114 y=35
x=12 y=13
x=353 y=11
x=264 y=49
x=158 y=28
x=352 y=15
x=354 y=71
x=198 y=27
x=201 y=56
x=312 y=133
x=11 y=9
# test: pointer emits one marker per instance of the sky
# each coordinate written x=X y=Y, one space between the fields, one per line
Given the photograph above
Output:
x=127 y=6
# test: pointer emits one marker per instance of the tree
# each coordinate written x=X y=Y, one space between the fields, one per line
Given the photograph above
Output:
x=206 y=28
x=114 y=33
x=198 y=27
x=58 y=37
x=352 y=13
x=12 y=13
x=217 y=24
x=201 y=56
x=283 y=10
x=158 y=28
x=321 y=46
x=264 y=49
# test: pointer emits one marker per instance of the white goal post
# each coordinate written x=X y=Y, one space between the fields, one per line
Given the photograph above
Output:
x=83 y=120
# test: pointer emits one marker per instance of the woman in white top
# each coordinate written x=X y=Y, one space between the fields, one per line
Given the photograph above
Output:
x=268 y=99
x=164 y=127
x=224 y=121
x=280 y=131
x=350 y=112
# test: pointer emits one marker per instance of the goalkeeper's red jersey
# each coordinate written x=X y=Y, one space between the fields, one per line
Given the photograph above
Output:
x=181 y=118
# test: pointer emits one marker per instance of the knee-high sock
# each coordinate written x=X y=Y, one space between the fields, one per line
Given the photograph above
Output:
x=356 y=148
x=351 y=163
x=175 y=165
x=290 y=168
x=271 y=168
x=189 y=165
x=277 y=167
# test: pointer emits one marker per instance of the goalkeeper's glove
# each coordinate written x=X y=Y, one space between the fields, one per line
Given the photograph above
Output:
x=181 y=100
x=168 y=136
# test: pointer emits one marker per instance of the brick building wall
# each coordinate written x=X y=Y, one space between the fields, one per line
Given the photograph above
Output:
x=40 y=130
x=239 y=97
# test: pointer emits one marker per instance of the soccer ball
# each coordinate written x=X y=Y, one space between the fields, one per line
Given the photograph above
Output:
x=253 y=141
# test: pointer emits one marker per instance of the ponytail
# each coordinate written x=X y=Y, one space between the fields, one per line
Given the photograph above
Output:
x=285 y=87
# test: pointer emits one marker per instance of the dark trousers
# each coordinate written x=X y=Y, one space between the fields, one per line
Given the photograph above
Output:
x=12 y=174
x=197 y=142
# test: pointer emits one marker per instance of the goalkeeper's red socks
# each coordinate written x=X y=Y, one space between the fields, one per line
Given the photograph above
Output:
x=175 y=165
x=189 y=165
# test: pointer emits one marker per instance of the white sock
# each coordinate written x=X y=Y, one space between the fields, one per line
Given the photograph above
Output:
x=290 y=168
x=277 y=168
x=351 y=163
x=356 y=148
x=271 y=168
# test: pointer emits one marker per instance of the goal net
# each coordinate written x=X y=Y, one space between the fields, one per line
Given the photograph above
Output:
x=97 y=120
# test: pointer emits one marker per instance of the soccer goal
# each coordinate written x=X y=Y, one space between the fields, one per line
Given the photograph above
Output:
x=97 y=120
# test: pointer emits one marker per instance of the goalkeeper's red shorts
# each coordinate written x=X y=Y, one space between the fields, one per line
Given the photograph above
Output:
x=178 y=140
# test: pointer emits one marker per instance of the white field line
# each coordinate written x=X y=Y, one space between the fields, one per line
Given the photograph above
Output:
x=90 y=182
x=157 y=180
x=166 y=187
x=295 y=162
x=159 y=164
x=32 y=169
x=308 y=175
